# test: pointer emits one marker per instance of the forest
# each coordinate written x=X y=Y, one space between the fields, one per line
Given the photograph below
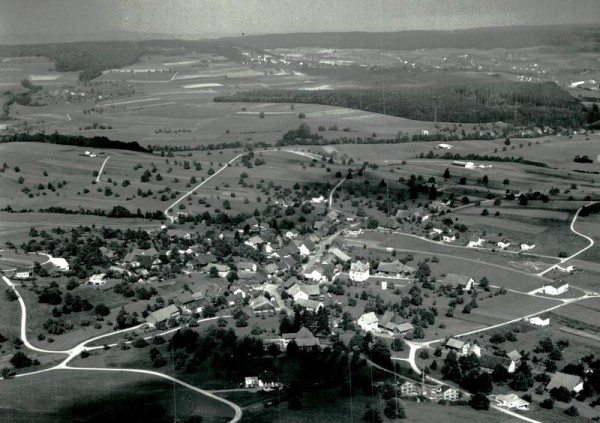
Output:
x=539 y=104
x=79 y=141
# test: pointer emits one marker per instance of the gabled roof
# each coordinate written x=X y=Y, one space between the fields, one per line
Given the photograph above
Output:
x=404 y=327
x=303 y=338
x=260 y=303
x=163 y=314
x=185 y=298
x=339 y=254
x=309 y=290
x=455 y=343
x=369 y=318
x=256 y=240
x=310 y=304
x=488 y=361
x=456 y=280
x=359 y=266
x=565 y=380
x=271 y=268
x=245 y=265
x=387 y=319
x=394 y=267
x=514 y=355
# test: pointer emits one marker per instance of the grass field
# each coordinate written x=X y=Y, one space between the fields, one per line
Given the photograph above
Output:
x=69 y=395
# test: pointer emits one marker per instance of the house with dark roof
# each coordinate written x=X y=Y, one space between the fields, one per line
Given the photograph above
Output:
x=564 y=380
x=466 y=282
x=304 y=338
x=261 y=305
x=395 y=268
x=339 y=254
x=489 y=362
x=310 y=305
x=457 y=345
x=162 y=315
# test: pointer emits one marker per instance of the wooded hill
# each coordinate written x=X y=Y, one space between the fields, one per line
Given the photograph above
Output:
x=539 y=104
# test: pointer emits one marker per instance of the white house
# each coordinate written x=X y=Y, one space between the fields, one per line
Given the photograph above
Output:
x=305 y=292
x=527 y=247
x=475 y=242
x=306 y=247
x=511 y=401
x=359 y=271
x=291 y=234
x=567 y=269
x=368 y=322
x=444 y=146
x=23 y=274
x=503 y=245
x=98 y=279
x=539 y=322
x=316 y=273
x=447 y=238
x=60 y=263
x=318 y=200
x=556 y=288
x=475 y=349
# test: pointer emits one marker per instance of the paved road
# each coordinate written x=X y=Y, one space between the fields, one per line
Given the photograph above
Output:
x=102 y=168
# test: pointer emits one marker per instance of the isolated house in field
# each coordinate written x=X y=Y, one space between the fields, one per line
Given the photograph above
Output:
x=567 y=269
x=475 y=349
x=563 y=380
x=457 y=345
x=98 y=279
x=359 y=271
x=556 y=288
x=448 y=238
x=539 y=322
x=444 y=146
x=503 y=245
x=23 y=274
x=368 y=322
x=511 y=402
x=475 y=242
x=466 y=282
x=489 y=363
x=162 y=315
x=527 y=247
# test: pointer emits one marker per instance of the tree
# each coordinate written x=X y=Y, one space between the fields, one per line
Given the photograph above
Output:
x=547 y=404
x=394 y=409
x=572 y=411
x=11 y=294
x=20 y=360
x=372 y=416
x=485 y=180
x=561 y=394
x=479 y=401
x=7 y=373
x=102 y=310
x=213 y=272
x=398 y=344
x=447 y=173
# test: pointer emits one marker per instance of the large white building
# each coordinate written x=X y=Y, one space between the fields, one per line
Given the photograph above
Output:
x=359 y=271
x=368 y=322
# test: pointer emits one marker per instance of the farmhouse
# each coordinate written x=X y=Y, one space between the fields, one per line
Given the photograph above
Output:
x=261 y=305
x=503 y=245
x=539 y=322
x=306 y=247
x=395 y=268
x=246 y=266
x=563 y=380
x=527 y=247
x=447 y=238
x=457 y=345
x=455 y=280
x=255 y=242
x=339 y=254
x=511 y=401
x=304 y=338
x=444 y=146
x=556 y=288
x=98 y=279
x=368 y=322
x=489 y=363
x=450 y=394
x=162 y=315
x=388 y=324
x=359 y=271
x=59 y=264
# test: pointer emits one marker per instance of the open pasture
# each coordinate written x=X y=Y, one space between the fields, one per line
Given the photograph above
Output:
x=585 y=313
x=40 y=70
x=70 y=395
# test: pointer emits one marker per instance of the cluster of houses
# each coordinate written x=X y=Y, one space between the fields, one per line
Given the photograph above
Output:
x=389 y=324
x=433 y=393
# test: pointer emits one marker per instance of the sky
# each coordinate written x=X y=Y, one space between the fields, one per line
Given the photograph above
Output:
x=89 y=19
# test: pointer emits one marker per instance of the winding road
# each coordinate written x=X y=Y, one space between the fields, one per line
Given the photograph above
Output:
x=102 y=168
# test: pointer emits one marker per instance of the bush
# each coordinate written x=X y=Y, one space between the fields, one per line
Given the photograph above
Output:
x=479 y=402
x=547 y=404
x=572 y=411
